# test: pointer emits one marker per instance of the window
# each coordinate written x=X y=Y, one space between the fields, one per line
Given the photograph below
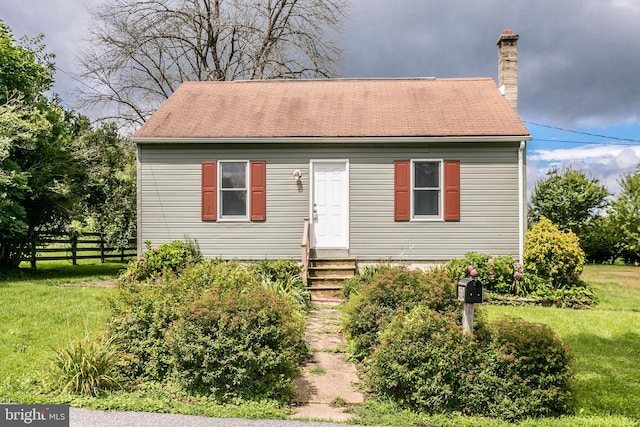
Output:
x=426 y=189
x=233 y=189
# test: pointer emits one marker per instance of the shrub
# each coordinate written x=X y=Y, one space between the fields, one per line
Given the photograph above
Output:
x=172 y=257
x=421 y=360
x=502 y=275
x=533 y=364
x=142 y=312
x=85 y=367
x=516 y=370
x=241 y=342
x=352 y=285
x=552 y=254
x=284 y=277
x=394 y=289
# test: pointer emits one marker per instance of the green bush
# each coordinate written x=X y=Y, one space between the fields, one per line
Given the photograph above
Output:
x=552 y=254
x=391 y=290
x=85 y=367
x=534 y=365
x=172 y=257
x=501 y=275
x=284 y=277
x=512 y=371
x=241 y=342
x=142 y=312
x=352 y=285
x=421 y=361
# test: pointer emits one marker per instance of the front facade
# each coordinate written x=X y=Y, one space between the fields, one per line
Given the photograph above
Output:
x=417 y=170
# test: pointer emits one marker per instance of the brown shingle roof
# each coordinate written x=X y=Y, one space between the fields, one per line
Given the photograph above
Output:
x=335 y=108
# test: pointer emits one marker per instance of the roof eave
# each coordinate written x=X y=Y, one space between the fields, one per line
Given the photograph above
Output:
x=329 y=140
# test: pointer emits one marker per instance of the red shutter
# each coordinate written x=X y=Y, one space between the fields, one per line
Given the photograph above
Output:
x=209 y=197
x=452 y=190
x=258 y=190
x=402 y=190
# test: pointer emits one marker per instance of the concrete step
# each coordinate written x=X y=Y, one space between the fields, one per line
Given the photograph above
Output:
x=327 y=274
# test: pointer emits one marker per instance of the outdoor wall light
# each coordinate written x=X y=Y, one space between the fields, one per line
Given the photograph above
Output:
x=297 y=175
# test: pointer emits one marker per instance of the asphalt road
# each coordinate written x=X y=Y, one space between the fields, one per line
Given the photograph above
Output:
x=92 y=418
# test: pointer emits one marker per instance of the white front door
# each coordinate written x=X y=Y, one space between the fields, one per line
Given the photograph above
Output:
x=330 y=204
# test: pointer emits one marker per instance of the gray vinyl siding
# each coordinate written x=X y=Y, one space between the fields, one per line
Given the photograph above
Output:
x=169 y=201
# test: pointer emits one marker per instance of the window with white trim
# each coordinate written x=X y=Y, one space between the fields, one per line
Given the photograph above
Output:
x=426 y=189
x=233 y=190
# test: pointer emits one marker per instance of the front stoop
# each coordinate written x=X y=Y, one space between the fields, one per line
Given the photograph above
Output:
x=327 y=274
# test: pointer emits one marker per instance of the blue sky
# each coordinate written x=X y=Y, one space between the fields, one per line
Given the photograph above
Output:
x=579 y=62
x=615 y=151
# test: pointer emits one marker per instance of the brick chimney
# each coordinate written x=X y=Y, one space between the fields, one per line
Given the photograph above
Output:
x=508 y=67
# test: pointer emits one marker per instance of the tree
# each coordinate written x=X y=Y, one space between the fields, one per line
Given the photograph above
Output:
x=109 y=203
x=568 y=199
x=625 y=216
x=40 y=181
x=141 y=50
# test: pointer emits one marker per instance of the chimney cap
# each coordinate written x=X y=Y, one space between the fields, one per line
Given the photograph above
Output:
x=507 y=36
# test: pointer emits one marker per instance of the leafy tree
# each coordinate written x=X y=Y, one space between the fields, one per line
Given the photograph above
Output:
x=598 y=239
x=625 y=216
x=568 y=199
x=40 y=181
x=142 y=50
x=109 y=204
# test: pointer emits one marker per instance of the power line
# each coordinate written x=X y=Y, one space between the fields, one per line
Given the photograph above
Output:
x=594 y=135
x=586 y=142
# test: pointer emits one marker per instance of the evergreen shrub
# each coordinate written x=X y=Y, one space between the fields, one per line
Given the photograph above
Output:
x=553 y=254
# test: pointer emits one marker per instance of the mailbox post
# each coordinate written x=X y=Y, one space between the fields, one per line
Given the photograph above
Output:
x=470 y=292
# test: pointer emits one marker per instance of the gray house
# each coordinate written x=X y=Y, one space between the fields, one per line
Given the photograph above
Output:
x=414 y=170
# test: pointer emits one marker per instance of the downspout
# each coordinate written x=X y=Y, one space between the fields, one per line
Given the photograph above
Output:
x=138 y=199
x=522 y=186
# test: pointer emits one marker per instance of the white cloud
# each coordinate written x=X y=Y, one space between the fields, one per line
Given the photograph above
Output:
x=605 y=162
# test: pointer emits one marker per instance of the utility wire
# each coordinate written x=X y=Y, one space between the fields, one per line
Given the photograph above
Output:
x=594 y=135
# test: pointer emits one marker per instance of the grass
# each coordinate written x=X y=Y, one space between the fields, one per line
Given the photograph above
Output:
x=606 y=344
x=317 y=371
x=38 y=315
x=605 y=340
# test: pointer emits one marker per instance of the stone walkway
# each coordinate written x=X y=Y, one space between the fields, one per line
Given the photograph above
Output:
x=327 y=387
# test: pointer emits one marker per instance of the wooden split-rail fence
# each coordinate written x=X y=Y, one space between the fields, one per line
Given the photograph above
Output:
x=71 y=247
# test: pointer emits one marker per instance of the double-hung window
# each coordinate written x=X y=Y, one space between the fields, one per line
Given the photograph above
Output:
x=234 y=189
x=426 y=187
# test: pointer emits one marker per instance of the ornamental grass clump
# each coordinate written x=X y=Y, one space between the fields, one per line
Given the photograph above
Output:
x=86 y=367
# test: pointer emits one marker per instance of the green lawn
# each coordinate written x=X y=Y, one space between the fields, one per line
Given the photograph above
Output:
x=605 y=340
x=39 y=314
